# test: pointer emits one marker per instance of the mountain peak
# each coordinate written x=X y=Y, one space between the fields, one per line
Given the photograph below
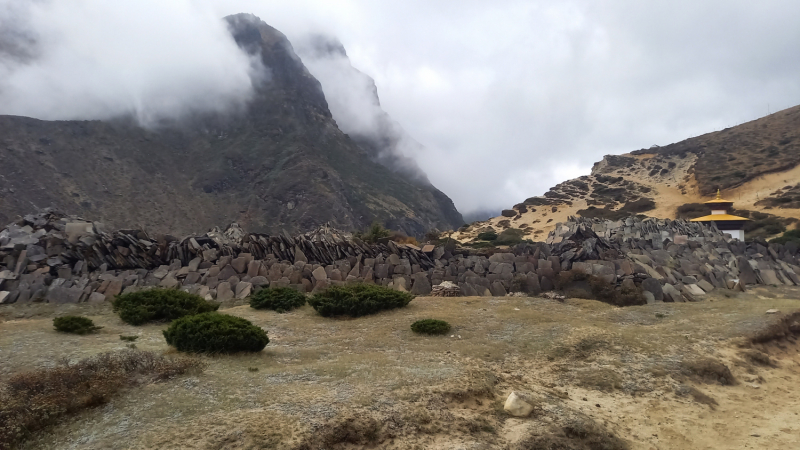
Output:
x=280 y=163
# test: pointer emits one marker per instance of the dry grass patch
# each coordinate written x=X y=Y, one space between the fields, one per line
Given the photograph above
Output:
x=30 y=401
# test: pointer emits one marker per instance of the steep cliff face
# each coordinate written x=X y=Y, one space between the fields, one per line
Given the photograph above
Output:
x=280 y=164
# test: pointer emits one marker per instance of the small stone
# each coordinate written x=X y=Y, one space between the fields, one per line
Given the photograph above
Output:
x=773 y=311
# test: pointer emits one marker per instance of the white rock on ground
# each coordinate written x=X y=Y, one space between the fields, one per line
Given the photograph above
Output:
x=517 y=406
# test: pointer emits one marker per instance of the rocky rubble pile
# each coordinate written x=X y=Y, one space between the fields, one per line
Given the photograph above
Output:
x=677 y=260
x=446 y=289
x=60 y=259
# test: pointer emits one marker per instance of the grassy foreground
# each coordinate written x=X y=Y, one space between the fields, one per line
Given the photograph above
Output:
x=660 y=376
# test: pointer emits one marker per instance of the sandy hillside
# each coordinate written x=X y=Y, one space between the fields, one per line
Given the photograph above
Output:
x=648 y=377
x=668 y=191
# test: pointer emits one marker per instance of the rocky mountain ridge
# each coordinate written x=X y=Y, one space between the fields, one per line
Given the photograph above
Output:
x=282 y=164
x=755 y=165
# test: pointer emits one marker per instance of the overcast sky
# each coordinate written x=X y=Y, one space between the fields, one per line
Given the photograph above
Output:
x=508 y=97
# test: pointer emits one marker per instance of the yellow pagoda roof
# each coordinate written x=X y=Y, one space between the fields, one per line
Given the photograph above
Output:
x=718 y=218
x=719 y=199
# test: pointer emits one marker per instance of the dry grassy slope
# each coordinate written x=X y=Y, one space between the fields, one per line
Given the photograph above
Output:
x=754 y=164
x=623 y=368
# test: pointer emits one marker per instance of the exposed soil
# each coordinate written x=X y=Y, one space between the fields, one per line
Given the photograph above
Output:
x=662 y=376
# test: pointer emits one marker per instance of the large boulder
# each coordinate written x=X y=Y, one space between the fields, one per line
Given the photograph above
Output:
x=422 y=285
x=654 y=287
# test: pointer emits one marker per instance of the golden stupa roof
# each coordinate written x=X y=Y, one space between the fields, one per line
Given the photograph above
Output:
x=718 y=218
x=719 y=199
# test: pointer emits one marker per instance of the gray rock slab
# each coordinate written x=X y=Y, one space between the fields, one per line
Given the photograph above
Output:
x=113 y=289
x=239 y=264
x=769 y=277
x=224 y=291
x=497 y=289
x=60 y=294
x=194 y=264
x=320 y=274
x=253 y=268
x=96 y=297
x=653 y=286
x=705 y=285
x=259 y=281
x=191 y=278
x=161 y=272
x=421 y=285
x=169 y=282
x=243 y=289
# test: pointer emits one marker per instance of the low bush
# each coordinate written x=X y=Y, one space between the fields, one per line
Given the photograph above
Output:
x=708 y=370
x=280 y=299
x=75 y=325
x=508 y=213
x=639 y=206
x=789 y=236
x=430 y=326
x=31 y=401
x=692 y=211
x=511 y=236
x=212 y=332
x=155 y=305
x=487 y=236
x=373 y=234
x=602 y=213
x=357 y=300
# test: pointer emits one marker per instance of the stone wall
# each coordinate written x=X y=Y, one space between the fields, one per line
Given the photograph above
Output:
x=55 y=258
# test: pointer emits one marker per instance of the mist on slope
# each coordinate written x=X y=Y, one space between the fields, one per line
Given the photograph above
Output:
x=154 y=60
x=353 y=100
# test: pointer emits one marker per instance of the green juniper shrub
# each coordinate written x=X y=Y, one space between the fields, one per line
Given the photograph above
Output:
x=430 y=326
x=511 y=236
x=789 y=236
x=212 y=332
x=373 y=234
x=75 y=325
x=128 y=338
x=155 y=305
x=487 y=236
x=280 y=299
x=357 y=300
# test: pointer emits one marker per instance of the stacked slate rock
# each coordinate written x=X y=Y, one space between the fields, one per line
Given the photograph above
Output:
x=56 y=258
x=446 y=289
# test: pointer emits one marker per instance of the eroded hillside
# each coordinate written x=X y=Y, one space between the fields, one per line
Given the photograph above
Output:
x=754 y=164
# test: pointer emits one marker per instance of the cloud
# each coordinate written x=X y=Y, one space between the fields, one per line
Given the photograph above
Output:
x=507 y=97
x=93 y=60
